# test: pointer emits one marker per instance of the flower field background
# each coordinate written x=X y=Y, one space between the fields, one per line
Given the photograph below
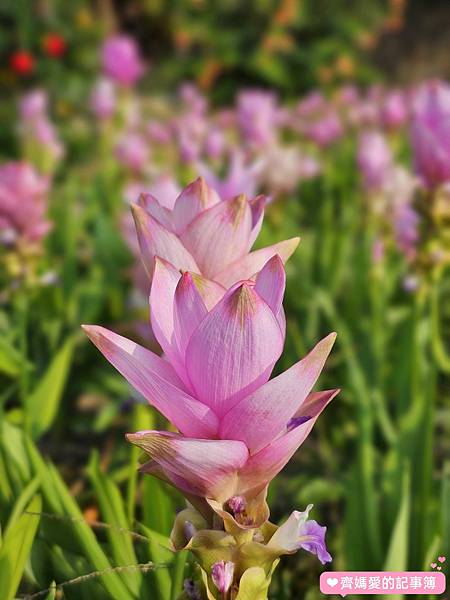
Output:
x=103 y=102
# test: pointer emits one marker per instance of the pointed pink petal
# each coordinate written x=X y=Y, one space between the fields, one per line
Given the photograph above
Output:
x=264 y=415
x=263 y=466
x=270 y=283
x=189 y=311
x=156 y=240
x=248 y=265
x=155 y=379
x=193 y=200
x=210 y=466
x=210 y=291
x=234 y=349
x=257 y=206
x=162 y=293
x=151 y=205
x=219 y=235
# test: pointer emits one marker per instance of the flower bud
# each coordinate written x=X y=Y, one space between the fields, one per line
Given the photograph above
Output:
x=222 y=575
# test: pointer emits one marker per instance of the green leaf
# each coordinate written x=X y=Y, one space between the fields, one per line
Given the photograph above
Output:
x=43 y=403
x=113 y=512
x=161 y=554
x=52 y=593
x=11 y=360
x=61 y=502
x=397 y=557
x=16 y=547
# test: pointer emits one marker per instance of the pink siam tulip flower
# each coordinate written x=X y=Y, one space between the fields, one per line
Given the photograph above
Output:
x=240 y=178
x=103 y=99
x=394 y=110
x=374 y=159
x=257 y=113
x=205 y=235
x=23 y=203
x=133 y=152
x=121 y=60
x=431 y=133
x=237 y=429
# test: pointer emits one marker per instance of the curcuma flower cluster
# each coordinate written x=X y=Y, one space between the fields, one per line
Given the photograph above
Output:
x=216 y=311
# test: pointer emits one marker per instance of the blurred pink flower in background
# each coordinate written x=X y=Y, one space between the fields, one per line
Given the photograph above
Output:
x=192 y=98
x=215 y=143
x=430 y=132
x=286 y=166
x=347 y=95
x=312 y=104
x=121 y=60
x=257 y=113
x=240 y=178
x=133 y=151
x=103 y=99
x=406 y=230
x=23 y=203
x=374 y=159
x=158 y=132
x=394 y=109
x=33 y=105
x=326 y=130
x=42 y=145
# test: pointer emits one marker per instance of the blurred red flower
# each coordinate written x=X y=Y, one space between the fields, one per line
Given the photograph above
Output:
x=54 y=45
x=22 y=62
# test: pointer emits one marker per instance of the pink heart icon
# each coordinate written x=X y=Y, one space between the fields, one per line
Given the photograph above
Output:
x=433 y=565
x=441 y=559
x=439 y=568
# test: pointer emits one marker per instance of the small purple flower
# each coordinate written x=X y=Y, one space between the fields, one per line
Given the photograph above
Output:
x=222 y=574
x=296 y=421
x=121 y=60
x=191 y=590
x=189 y=530
x=237 y=504
x=300 y=532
